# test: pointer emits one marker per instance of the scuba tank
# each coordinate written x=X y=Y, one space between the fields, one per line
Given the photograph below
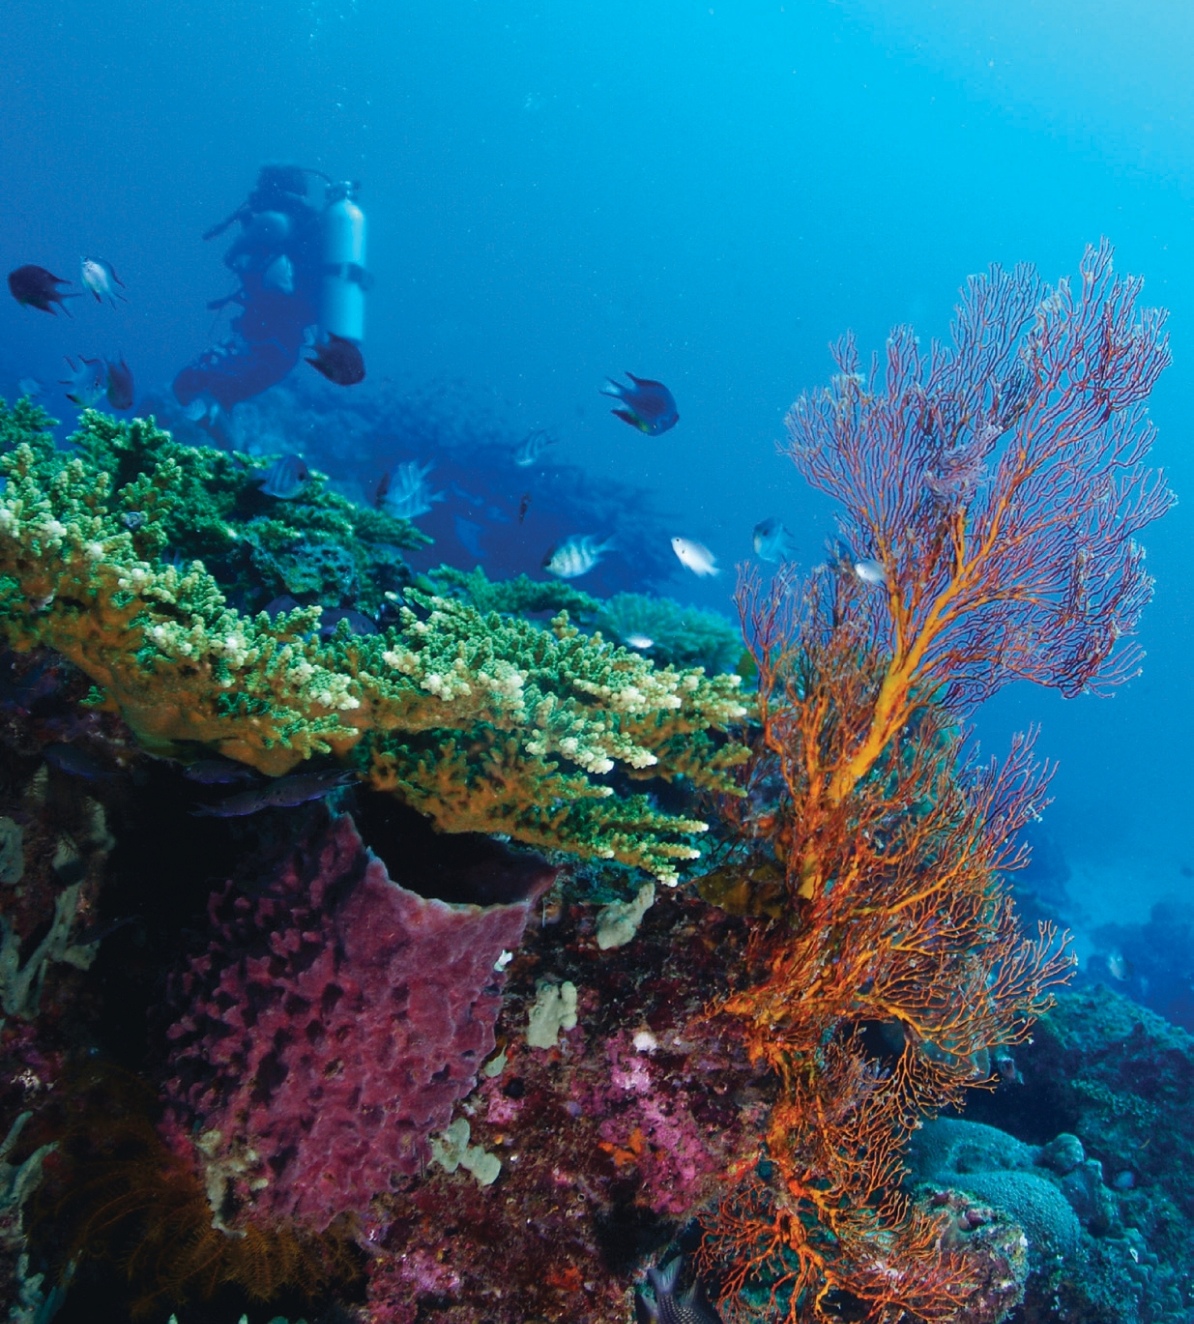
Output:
x=345 y=280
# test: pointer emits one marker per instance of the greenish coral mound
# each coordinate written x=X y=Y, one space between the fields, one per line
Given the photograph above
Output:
x=678 y=636
x=482 y=721
x=317 y=547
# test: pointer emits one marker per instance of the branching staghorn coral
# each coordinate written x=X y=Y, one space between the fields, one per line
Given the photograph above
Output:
x=479 y=720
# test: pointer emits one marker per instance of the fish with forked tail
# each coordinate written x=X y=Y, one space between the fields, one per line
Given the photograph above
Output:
x=280 y=793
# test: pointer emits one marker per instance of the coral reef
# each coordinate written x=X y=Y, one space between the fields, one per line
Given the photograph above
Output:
x=395 y=1039
x=481 y=722
x=993 y=490
x=674 y=635
x=333 y=1024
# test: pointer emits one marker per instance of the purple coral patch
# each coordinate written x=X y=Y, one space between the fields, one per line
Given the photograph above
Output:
x=332 y=1026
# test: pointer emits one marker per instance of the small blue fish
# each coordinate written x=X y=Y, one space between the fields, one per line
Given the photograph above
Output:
x=357 y=622
x=650 y=406
x=101 y=279
x=531 y=447
x=576 y=557
x=286 y=478
x=120 y=384
x=279 y=793
x=405 y=493
x=76 y=761
x=772 y=541
x=88 y=381
x=667 y=1308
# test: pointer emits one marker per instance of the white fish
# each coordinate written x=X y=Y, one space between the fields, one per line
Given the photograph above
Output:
x=576 y=556
x=641 y=641
x=870 y=572
x=695 y=556
x=31 y=387
x=407 y=494
x=101 y=279
x=531 y=447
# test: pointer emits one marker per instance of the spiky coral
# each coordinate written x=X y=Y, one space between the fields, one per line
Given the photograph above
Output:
x=480 y=721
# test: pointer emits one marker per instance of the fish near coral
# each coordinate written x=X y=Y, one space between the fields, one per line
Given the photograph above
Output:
x=339 y=360
x=576 y=557
x=668 y=1308
x=35 y=287
x=280 y=793
x=100 y=277
x=772 y=540
x=120 y=384
x=88 y=381
x=648 y=406
x=695 y=556
x=286 y=478
x=405 y=492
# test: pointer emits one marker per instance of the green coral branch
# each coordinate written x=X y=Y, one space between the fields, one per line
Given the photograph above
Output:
x=480 y=720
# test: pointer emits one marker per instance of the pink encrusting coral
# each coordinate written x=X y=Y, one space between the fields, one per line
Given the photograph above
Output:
x=331 y=1027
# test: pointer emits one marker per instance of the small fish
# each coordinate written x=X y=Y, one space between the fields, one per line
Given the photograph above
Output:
x=870 y=572
x=524 y=504
x=30 y=387
x=286 y=478
x=76 y=762
x=695 y=556
x=133 y=520
x=120 y=384
x=1118 y=966
x=650 y=406
x=339 y=360
x=640 y=641
x=217 y=772
x=101 y=279
x=357 y=621
x=35 y=287
x=280 y=793
x=668 y=1308
x=772 y=541
x=576 y=556
x=88 y=381
x=405 y=492
x=531 y=447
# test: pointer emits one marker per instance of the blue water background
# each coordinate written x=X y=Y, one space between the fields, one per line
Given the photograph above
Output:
x=704 y=193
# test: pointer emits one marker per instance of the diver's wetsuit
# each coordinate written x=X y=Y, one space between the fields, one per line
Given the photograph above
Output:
x=278 y=260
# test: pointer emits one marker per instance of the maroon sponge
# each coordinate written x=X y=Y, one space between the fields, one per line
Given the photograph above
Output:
x=331 y=1027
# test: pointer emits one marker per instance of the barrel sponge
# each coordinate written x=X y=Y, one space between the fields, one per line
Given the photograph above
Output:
x=332 y=1025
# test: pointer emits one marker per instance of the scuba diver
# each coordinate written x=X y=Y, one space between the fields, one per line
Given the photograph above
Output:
x=297 y=267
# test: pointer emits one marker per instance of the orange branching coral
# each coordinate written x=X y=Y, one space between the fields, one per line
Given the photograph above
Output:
x=900 y=967
x=991 y=494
